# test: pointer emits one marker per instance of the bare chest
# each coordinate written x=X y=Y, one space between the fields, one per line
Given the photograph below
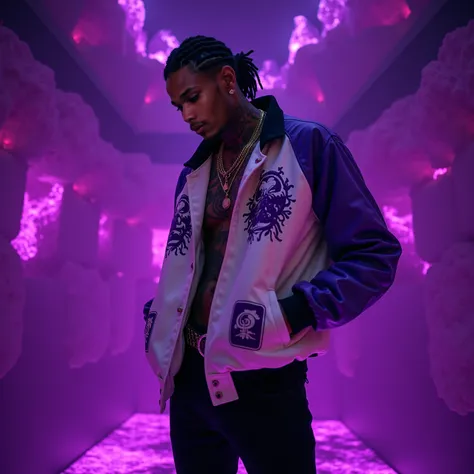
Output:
x=220 y=201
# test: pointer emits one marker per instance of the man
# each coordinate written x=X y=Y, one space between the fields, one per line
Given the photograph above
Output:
x=275 y=241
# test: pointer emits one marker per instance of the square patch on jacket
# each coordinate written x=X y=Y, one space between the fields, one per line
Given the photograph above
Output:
x=150 y=322
x=246 y=330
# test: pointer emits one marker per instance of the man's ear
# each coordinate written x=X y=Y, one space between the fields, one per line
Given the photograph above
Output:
x=228 y=78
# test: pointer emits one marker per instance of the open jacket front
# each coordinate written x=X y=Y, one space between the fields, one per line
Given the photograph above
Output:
x=306 y=237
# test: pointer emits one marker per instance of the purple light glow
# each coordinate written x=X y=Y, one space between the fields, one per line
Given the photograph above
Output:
x=271 y=76
x=439 y=172
x=330 y=13
x=161 y=45
x=142 y=445
x=37 y=213
x=401 y=226
x=135 y=20
x=104 y=229
x=159 y=239
x=303 y=33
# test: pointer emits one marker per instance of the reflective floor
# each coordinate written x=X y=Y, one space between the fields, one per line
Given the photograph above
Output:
x=142 y=445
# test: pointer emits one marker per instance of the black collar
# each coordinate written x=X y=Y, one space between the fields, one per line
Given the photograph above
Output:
x=273 y=127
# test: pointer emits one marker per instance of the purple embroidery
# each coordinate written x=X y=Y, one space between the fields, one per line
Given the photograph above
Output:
x=270 y=207
x=181 y=230
x=150 y=322
x=246 y=329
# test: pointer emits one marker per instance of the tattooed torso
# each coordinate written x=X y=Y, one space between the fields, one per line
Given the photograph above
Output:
x=214 y=236
x=216 y=222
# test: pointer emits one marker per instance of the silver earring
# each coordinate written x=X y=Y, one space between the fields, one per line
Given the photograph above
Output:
x=231 y=92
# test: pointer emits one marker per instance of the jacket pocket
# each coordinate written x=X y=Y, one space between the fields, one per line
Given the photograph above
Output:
x=258 y=326
x=278 y=318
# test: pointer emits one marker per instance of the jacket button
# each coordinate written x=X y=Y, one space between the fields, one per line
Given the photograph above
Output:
x=218 y=395
x=215 y=383
x=180 y=309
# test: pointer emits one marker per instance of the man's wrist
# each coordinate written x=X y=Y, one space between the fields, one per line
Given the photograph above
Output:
x=297 y=313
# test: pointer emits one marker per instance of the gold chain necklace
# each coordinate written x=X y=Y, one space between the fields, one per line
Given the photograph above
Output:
x=227 y=177
x=244 y=151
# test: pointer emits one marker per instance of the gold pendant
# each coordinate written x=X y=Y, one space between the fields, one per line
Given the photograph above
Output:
x=226 y=203
x=226 y=186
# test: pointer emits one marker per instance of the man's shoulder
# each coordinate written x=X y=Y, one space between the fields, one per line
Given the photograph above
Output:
x=307 y=136
x=307 y=130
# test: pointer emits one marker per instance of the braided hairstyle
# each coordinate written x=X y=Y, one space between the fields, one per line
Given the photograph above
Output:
x=203 y=53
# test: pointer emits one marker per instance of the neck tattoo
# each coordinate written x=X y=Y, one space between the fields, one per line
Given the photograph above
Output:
x=227 y=177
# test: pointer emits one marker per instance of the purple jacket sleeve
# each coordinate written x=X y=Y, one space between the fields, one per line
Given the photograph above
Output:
x=364 y=253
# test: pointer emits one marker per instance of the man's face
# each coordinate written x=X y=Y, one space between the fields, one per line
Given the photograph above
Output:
x=201 y=100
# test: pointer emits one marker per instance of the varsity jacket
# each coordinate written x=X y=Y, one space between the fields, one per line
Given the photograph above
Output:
x=307 y=241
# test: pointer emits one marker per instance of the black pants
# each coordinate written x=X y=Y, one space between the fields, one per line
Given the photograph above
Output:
x=269 y=427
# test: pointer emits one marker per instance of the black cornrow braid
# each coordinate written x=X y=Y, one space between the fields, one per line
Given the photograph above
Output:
x=247 y=75
x=203 y=53
x=194 y=51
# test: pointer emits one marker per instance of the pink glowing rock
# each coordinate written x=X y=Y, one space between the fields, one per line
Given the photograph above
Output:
x=449 y=303
x=463 y=183
x=303 y=33
x=159 y=241
x=158 y=248
x=392 y=160
x=271 y=75
x=331 y=13
x=419 y=135
x=363 y=14
x=99 y=24
x=447 y=91
x=135 y=21
x=77 y=149
x=123 y=313
x=122 y=183
x=399 y=219
x=87 y=318
x=12 y=304
x=29 y=117
x=434 y=222
x=37 y=215
x=161 y=45
x=12 y=191
x=102 y=180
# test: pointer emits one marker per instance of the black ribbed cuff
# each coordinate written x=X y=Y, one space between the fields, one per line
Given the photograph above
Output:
x=298 y=313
